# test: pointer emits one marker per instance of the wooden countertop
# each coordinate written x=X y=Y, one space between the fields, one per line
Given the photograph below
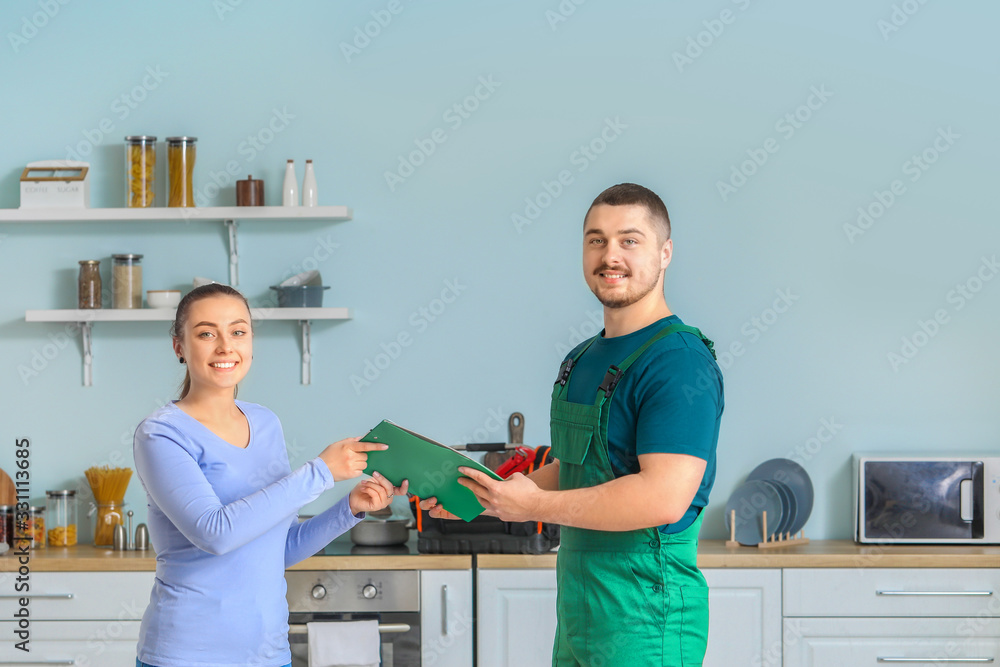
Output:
x=87 y=558
x=711 y=554
x=818 y=553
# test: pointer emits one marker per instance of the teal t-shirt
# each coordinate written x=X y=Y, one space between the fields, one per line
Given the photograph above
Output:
x=669 y=401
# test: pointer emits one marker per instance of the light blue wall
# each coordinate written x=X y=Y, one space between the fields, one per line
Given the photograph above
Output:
x=495 y=349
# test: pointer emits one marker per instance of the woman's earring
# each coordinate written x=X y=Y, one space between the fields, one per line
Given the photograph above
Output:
x=180 y=359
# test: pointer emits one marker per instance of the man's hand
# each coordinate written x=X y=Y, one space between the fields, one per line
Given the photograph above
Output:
x=516 y=498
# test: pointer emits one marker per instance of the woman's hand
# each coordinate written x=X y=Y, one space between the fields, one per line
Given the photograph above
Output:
x=374 y=494
x=347 y=459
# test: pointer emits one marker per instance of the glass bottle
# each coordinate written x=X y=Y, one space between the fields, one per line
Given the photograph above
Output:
x=126 y=281
x=180 y=170
x=60 y=520
x=89 y=284
x=140 y=165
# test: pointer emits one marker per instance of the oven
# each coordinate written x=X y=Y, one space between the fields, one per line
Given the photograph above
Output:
x=392 y=597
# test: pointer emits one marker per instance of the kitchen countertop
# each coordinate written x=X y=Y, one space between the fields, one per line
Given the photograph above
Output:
x=342 y=555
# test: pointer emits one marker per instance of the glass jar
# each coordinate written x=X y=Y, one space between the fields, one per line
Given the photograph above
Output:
x=7 y=525
x=36 y=526
x=89 y=284
x=109 y=515
x=126 y=281
x=140 y=165
x=60 y=518
x=180 y=170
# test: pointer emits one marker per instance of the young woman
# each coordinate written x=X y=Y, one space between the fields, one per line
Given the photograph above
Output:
x=223 y=501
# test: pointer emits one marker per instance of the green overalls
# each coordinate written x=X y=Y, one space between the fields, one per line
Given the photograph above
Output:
x=631 y=598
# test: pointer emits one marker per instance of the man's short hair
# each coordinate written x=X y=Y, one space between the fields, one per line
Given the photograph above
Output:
x=625 y=194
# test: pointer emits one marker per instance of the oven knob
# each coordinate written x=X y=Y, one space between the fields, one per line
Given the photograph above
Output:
x=318 y=592
x=369 y=591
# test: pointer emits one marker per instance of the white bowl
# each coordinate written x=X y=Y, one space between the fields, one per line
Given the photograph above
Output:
x=163 y=298
x=304 y=278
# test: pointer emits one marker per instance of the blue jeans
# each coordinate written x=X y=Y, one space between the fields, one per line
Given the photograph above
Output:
x=140 y=663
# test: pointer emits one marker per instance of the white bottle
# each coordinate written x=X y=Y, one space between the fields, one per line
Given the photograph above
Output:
x=290 y=190
x=309 y=195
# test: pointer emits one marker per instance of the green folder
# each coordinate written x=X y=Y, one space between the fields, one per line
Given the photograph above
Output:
x=431 y=467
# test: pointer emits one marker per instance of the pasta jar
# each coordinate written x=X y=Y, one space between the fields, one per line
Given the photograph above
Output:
x=60 y=518
x=30 y=530
x=140 y=165
x=126 y=281
x=180 y=170
x=89 y=284
x=109 y=515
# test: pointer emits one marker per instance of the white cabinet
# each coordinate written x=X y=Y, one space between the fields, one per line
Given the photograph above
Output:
x=516 y=617
x=77 y=618
x=446 y=618
x=878 y=616
x=744 y=626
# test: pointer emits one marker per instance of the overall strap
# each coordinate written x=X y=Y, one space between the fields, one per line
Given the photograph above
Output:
x=567 y=367
x=615 y=373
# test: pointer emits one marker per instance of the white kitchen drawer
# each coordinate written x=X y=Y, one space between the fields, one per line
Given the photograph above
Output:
x=68 y=596
x=891 y=592
x=81 y=643
x=883 y=642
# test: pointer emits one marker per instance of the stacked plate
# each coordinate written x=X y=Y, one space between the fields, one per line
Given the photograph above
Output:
x=780 y=487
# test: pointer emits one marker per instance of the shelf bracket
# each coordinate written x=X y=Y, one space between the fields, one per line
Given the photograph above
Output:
x=306 y=352
x=234 y=253
x=88 y=354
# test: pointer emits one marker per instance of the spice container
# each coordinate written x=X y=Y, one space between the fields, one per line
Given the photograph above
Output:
x=88 y=289
x=140 y=164
x=61 y=518
x=7 y=525
x=180 y=170
x=126 y=281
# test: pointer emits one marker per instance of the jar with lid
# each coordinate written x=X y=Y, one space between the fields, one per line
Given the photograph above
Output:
x=180 y=170
x=140 y=165
x=126 y=281
x=60 y=519
x=109 y=514
x=89 y=284
x=7 y=525
x=36 y=526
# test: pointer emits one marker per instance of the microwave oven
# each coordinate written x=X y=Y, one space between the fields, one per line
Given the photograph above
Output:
x=919 y=499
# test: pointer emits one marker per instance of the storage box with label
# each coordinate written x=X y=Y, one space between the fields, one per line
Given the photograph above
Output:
x=55 y=184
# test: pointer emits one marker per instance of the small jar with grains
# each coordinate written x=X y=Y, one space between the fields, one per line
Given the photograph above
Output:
x=126 y=281
x=89 y=285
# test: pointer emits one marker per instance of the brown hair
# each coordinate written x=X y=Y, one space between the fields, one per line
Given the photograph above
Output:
x=180 y=319
x=625 y=194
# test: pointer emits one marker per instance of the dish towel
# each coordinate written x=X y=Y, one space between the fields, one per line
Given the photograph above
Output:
x=344 y=644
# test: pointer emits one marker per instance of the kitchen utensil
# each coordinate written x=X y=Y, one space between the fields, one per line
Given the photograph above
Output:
x=749 y=500
x=380 y=532
x=304 y=278
x=250 y=192
x=141 y=537
x=300 y=296
x=796 y=479
x=118 y=543
x=163 y=298
x=789 y=506
x=8 y=496
x=515 y=436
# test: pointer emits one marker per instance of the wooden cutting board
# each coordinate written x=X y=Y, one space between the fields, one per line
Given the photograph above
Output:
x=7 y=494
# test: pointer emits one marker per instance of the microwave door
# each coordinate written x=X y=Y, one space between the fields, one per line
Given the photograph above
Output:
x=923 y=500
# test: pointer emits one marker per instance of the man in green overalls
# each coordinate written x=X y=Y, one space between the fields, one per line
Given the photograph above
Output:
x=634 y=425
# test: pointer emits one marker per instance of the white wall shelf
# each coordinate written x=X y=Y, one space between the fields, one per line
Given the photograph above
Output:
x=86 y=318
x=230 y=216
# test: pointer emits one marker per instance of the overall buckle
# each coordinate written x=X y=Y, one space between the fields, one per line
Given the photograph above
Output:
x=564 y=371
x=611 y=378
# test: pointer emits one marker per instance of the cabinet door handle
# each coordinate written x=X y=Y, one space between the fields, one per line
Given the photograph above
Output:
x=937 y=661
x=50 y=596
x=38 y=662
x=959 y=593
x=444 y=610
